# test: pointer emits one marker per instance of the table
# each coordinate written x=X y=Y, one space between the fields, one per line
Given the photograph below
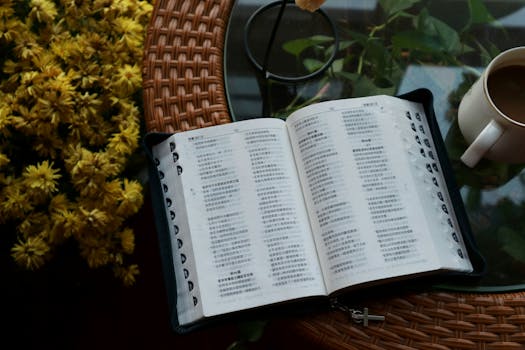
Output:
x=186 y=86
x=492 y=192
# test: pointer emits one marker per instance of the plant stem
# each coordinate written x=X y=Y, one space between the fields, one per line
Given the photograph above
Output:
x=370 y=36
x=292 y=105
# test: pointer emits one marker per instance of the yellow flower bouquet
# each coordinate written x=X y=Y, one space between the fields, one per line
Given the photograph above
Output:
x=70 y=83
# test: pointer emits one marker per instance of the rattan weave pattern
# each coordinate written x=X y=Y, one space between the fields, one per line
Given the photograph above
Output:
x=183 y=63
x=183 y=89
x=436 y=321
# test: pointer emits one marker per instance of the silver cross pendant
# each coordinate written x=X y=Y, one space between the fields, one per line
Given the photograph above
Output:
x=363 y=316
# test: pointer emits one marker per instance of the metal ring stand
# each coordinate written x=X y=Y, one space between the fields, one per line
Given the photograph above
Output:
x=263 y=68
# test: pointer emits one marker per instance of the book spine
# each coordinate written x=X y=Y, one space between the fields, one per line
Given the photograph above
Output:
x=170 y=173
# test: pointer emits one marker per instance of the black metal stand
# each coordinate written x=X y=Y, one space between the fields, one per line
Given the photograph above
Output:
x=263 y=68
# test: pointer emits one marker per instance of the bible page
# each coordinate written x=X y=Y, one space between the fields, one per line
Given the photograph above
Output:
x=249 y=226
x=365 y=211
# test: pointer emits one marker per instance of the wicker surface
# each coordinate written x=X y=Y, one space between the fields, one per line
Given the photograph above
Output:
x=426 y=321
x=183 y=89
x=183 y=65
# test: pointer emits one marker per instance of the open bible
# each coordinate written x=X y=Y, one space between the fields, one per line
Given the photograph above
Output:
x=342 y=195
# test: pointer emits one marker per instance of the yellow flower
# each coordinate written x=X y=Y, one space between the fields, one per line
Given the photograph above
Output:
x=126 y=107
x=32 y=253
x=56 y=102
x=47 y=65
x=5 y=110
x=89 y=73
x=68 y=223
x=42 y=177
x=127 y=275
x=72 y=155
x=143 y=11
x=15 y=202
x=95 y=218
x=131 y=198
x=63 y=48
x=87 y=105
x=127 y=240
x=112 y=189
x=48 y=145
x=4 y=160
x=64 y=221
x=27 y=45
x=125 y=141
x=43 y=10
x=34 y=224
x=89 y=170
x=59 y=203
x=89 y=45
x=9 y=26
x=74 y=12
x=6 y=9
x=117 y=258
x=115 y=8
x=129 y=30
x=5 y=114
x=95 y=256
x=9 y=29
x=126 y=80
x=69 y=75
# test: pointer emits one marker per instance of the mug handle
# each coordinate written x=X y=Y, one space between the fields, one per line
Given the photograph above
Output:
x=486 y=139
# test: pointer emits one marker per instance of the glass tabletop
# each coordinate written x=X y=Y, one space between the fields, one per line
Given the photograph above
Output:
x=367 y=47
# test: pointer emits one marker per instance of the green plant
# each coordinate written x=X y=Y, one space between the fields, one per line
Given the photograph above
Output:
x=372 y=60
x=249 y=332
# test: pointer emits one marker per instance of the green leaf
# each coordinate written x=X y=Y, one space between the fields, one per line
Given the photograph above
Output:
x=364 y=86
x=513 y=243
x=356 y=36
x=237 y=345
x=312 y=64
x=392 y=7
x=487 y=53
x=251 y=331
x=416 y=41
x=478 y=13
x=447 y=36
x=379 y=57
x=344 y=44
x=440 y=37
x=296 y=47
x=473 y=201
x=338 y=65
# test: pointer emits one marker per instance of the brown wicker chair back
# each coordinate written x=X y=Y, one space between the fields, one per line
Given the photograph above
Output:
x=183 y=65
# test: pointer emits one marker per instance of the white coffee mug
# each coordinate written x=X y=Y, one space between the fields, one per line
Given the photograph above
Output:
x=491 y=115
